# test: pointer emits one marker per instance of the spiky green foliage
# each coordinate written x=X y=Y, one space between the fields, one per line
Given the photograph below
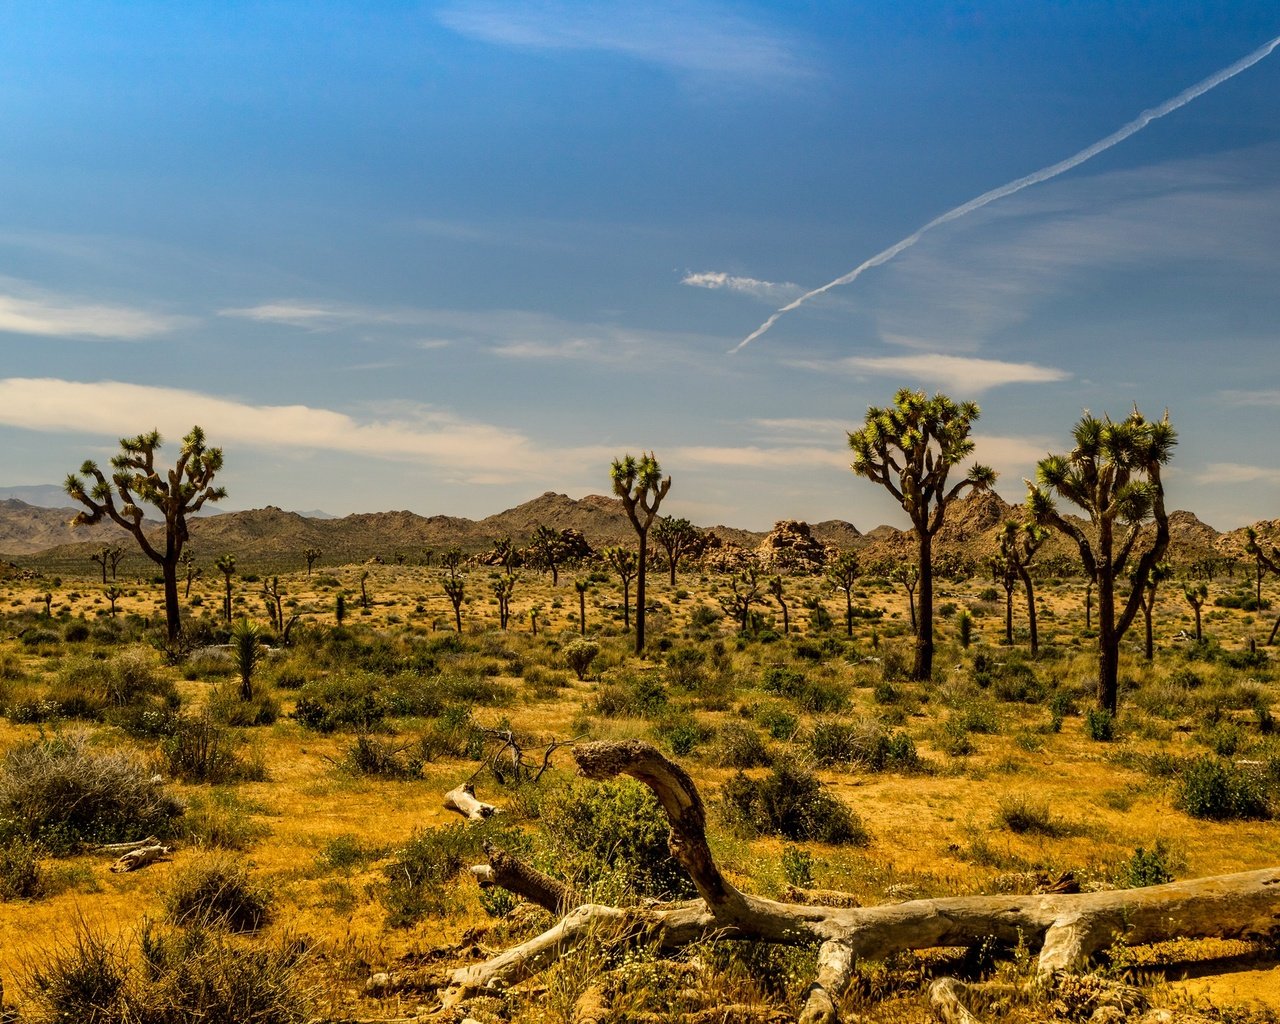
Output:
x=245 y=647
x=1113 y=475
x=910 y=448
x=176 y=494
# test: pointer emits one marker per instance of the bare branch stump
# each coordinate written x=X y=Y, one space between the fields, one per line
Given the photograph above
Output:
x=463 y=800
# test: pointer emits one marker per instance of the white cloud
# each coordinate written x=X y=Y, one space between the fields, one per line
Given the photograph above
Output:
x=1263 y=397
x=1236 y=473
x=471 y=452
x=964 y=374
x=58 y=316
x=806 y=427
x=760 y=457
x=770 y=291
x=689 y=36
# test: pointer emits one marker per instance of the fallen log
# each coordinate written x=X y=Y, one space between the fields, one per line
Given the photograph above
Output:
x=1068 y=928
x=510 y=873
x=463 y=800
x=140 y=857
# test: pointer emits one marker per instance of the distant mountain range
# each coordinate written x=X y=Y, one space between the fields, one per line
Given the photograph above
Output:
x=270 y=536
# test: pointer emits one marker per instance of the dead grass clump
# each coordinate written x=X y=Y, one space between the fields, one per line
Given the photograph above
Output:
x=1025 y=815
x=215 y=891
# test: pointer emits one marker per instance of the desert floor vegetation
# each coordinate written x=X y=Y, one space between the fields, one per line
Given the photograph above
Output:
x=299 y=790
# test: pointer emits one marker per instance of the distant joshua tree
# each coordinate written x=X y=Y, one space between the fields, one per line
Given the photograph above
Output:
x=677 y=537
x=776 y=592
x=1263 y=562
x=453 y=585
x=745 y=590
x=582 y=586
x=842 y=575
x=311 y=554
x=640 y=485
x=176 y=494
x=909 y=448
x=503 y=586
x=1019 y=543
x=623 y=561
x=547 y=547
x=1113 y=474
x=103 y=557
x=274 y=601
x=227 y=566
x=1160 y=572
x=505 y=552
x=113 y=594
x=909 y=576
x=191 y=571
x=1196 y=595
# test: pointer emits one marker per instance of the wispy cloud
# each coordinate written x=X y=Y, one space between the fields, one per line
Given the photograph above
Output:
x=761 y=457
x=1236 y=473
x=804 y=427
x=26 y=311
x=965 y=374
x=691 y=37
x=767 y=291
x=1263 y=397
x=468 y=451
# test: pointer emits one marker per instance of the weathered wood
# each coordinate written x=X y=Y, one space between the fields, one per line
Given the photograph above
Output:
x=140 y=857
x=119 y=848
x=463 y=800
x=514 y=875
x=1068 y=928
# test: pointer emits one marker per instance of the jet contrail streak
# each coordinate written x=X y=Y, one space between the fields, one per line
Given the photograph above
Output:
x=1034 y=178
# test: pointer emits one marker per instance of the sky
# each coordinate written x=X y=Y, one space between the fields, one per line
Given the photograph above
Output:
x=447 y=256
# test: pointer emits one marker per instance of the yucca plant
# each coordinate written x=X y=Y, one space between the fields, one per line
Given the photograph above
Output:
x=245 y=641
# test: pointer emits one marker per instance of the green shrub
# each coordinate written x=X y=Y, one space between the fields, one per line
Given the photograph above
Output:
x=680 y=732
x=215 y=891
x=739 y=746
x=797 y=866
x=782 y=724
x=64 y=793
x=863 y=743
x=636 y=697
x=579 y=654
x=201 y=750
x=20 y=874
x=817 y=696
x=1212 y=788
x=684 y=666
x=1099 y=725
x=791 y=802
x=1025 y=815
x=348 y=701
x=417 y=882
x=371 y=755
x=1145 y=867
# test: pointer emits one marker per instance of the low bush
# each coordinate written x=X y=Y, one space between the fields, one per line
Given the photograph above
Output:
x=64 y=793
x=863 y=743
x=739 y=746
x=790 y=802
x=347 y=701
x=1026 y=815
x=1145 y=867
x=579 y=654
x=202 y=750
x=372 y=755
x=215 y=891
x=20 y=874
x=1213 y=788
x=817 y=696
x=417 y=882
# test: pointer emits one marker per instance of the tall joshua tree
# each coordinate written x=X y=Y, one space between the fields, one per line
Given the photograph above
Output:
x=639 y=483
x=909 y=448
x=175 y=493
x=1113 y=475
x=678 y=537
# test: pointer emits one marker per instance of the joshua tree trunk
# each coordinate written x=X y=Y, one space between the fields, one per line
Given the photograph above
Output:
x=1031 y=611
x=923 y=667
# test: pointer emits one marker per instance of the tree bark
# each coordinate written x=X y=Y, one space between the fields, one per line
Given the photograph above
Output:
x=1067 y=928
x=922 y=670
x=640 y=574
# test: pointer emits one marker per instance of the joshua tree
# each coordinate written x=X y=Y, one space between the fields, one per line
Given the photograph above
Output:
x=311 y=554
x=275 y=605
x=909 y=576
x=776 y=592
x=547 y=547
x=427 y=556
x=1196 y=595
x=190 y=570
x=176 y=494
x=107 y=556
x=1113 y=475
x=623 y=561
x=503 y=587
x=909 y=449
x=534 y=612
x=113 y=594
x=1159 y=572
x=364 y=589
x=745 y=591
x=581 y=586
x=1263 y=562
x=505 y=552
x=227 y=566
x=453 y=585
x=340 y=608
x=678 y=537
x=1019 y=543
x=639 y=483
x=843 y=575
x=115 y=554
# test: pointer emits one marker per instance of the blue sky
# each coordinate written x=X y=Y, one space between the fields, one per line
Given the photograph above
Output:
x=446 y=256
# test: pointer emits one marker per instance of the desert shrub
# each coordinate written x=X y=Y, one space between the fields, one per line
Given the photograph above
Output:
x=20 y=874
x=781 y=724
x=201 y=750
x=704 y=616
x=372 y=755
x=864 y=743
x=684 y=666
x=453 y=734
x=219 y=818
x=226 y=705
x=579 y=654
x=680 y=732
x=63 y=793
x=216 y=891
x=188 y=975
x=790 y=802
x=76 y=632
x=1099 y=725
x=797 y=866
x=1145 y=867
x=640 y=696
x=612 y=835
x=738 y=746
x=1016 y=682
x=347 y=701
x=417 y=881
x=817 y=696
x=1026 y=815
x=1210 y=787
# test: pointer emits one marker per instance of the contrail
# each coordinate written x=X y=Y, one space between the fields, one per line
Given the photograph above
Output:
x=1034 y=178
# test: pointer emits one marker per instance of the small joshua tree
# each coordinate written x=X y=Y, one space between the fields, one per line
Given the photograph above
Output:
x=453 y=585
x=910 y=448
x=909 y=577
x=640 y=485
x=364 y=589
x=1160 y=572
x=311 y=554
x=1196 y=594
x=1019 y=543
x=777 y=593
x=842 y=575
x=678 y=537
x=582 y=586
x=745 y=590
x=190 y=570
x=103 y=557
x=176 y=494
x=547 y=548
x=623 y=561
x=503 y=586
x=1113 y=474
x=275 y=604
x=505 y=552
x=113 y=594
x=227 y=566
